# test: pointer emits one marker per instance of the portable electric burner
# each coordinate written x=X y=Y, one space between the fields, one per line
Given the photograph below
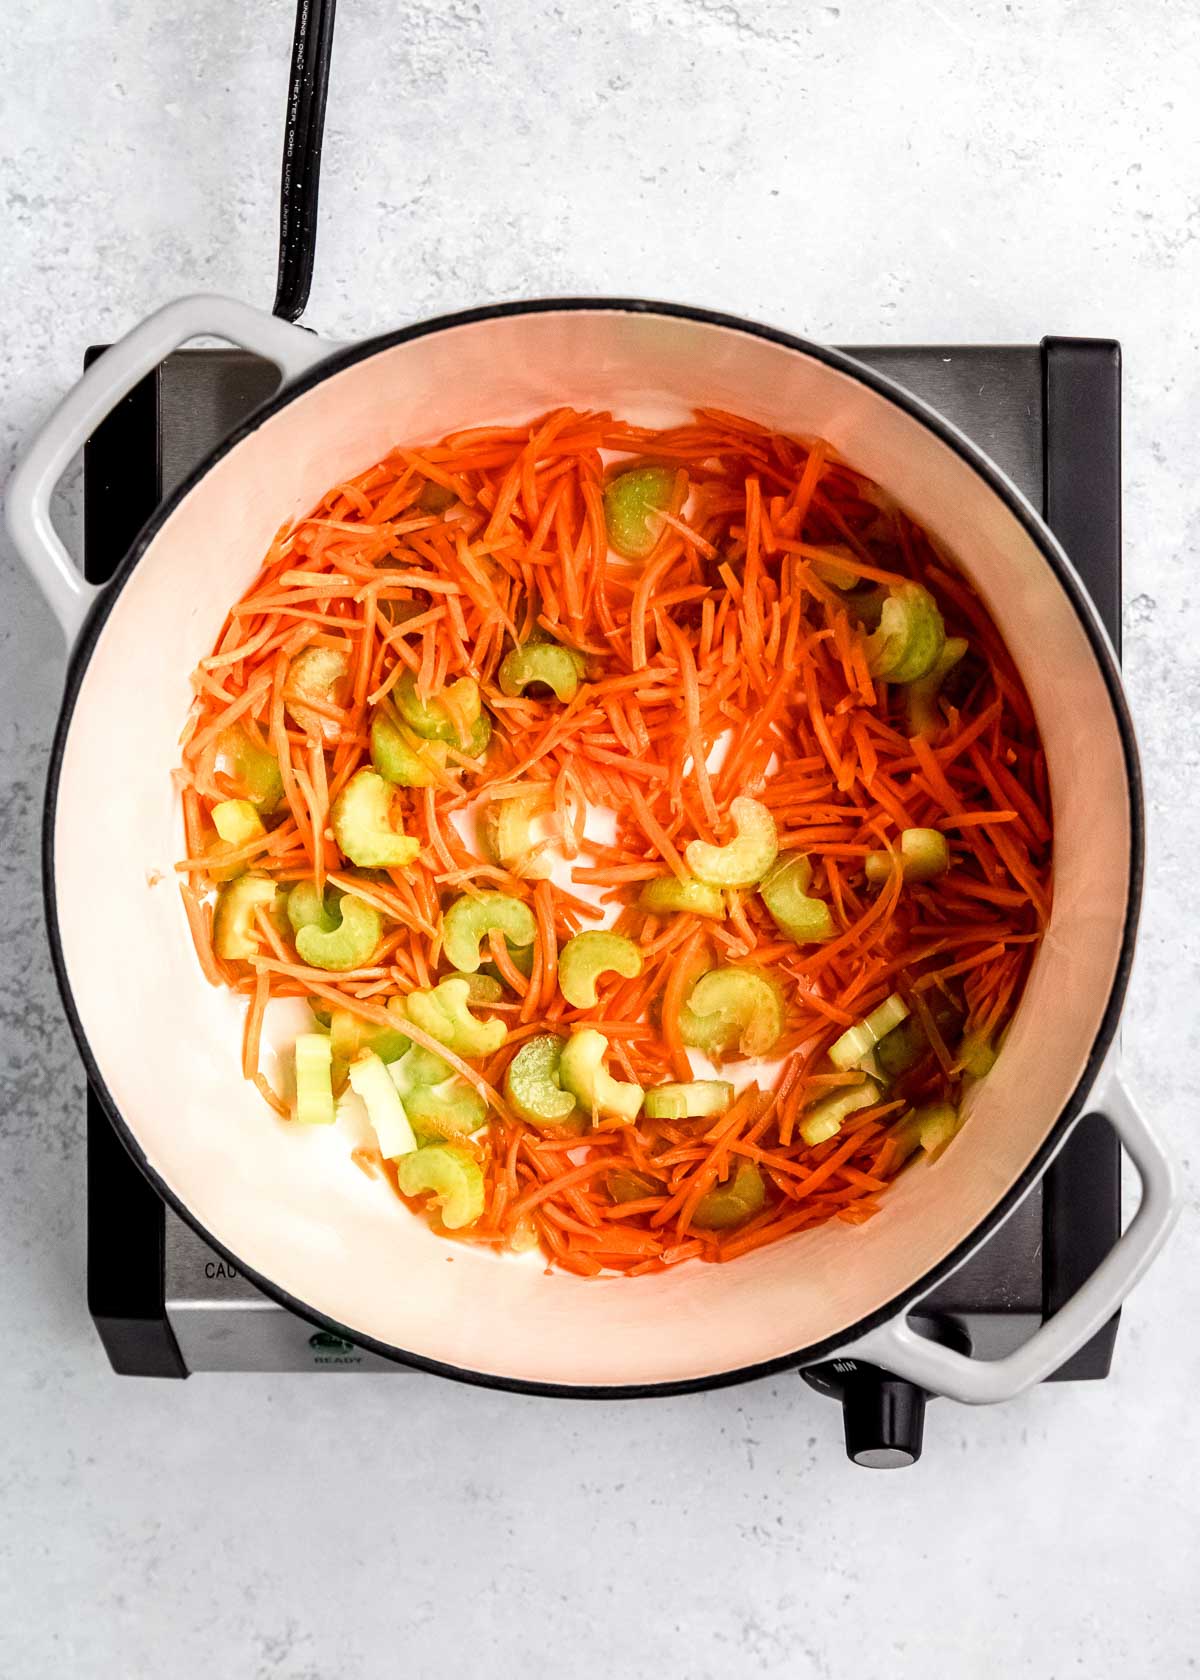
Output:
x=167 y=1305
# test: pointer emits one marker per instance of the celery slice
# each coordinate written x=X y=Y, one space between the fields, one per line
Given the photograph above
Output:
x=554 y=667
x=924 y=854
x=439 y=1104
x=314 y=1080
x=254 y=768
x=235 y=936
x=936 y=1123
x=361 y=818
x=625 y=1186
x=505 y=830
x=434 y=720
x=696 y=1099
x=858 y=1041
x=350 y=944
x=910 y=636
x=587 y=956
x=826 y=1118
x=746 y=859
x=237 y=822
x=481 y=988
x=631 y=500
x=408 y=763
x=977 y=1053
x=308 y=908
x=469 y=919
x=667 y=895
x=732 y=1203
x=323 y=674
x=581 y=1069
x=738 y=1009
x=451 y=1176
x=533 y=1084
x=349 y=1035
x=370 y=1080
x=923 y=715
x=442 y=1011
x=802 y=917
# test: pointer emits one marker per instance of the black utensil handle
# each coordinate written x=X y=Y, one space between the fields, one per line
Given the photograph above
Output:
x=301 y=177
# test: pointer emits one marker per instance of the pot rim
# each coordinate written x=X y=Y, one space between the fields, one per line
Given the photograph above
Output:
x=1050 y=551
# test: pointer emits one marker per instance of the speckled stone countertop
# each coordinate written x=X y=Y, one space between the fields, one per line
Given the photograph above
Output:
x=858 y=172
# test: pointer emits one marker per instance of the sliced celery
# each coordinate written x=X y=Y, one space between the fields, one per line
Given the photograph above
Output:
x=314 y=1080
x=936 y=1123
x=308 y=908
x=362 y=821
x=830 y=570
x=323 y=674
x=545 y=663
x=826 y=1118
x=898 y=1050
x=733 y=1202
x=924 y=854
x=370 y=1080
x=667 y=895
x=923 y=715
x=349 y=1035
x=523 y=1238
x=235 y=936
x=254 y=768
x=351 y=944
x=858 y=1041
x=977 y=1053
x=434 y=720
x=438 y=1108
x=696 y=1099
x=237 y=822
x=481 y=988
x=581 y=1069
x=746 y=859
x=322 y=1012
x=631 y=500
x=802 y=917
x=451 y=1176
x=625 y=1186
x=505 y=831
x=442 y=1012
x=587 y=956
x=408 y=763
x=731 y=1009
x=470 y=919
x=533 y=1085
x=910 y=636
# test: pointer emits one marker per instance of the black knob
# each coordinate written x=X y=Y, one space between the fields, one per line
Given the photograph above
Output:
x=884 y=1416
x=884 y=1419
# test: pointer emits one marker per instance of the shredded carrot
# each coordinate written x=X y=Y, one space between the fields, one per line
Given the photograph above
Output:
x=726 y=647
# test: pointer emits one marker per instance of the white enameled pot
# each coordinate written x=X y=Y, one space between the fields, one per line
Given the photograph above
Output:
x=292 y=1210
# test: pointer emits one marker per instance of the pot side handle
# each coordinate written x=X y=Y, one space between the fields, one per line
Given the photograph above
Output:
x=111 y=377
x=897 y=1347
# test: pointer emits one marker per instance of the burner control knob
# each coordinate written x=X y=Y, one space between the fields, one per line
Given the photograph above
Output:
x=884 y=1419
x=883 y=1416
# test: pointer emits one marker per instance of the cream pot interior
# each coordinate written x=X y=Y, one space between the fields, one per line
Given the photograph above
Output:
x=291 y=1206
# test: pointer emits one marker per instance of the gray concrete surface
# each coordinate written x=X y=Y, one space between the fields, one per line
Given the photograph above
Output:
x=859 y=171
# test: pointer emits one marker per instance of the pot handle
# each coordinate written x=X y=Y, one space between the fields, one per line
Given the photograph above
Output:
x=110 y=377
x=897 y=1347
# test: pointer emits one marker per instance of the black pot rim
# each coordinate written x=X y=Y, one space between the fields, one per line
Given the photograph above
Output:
x=1050 y=551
